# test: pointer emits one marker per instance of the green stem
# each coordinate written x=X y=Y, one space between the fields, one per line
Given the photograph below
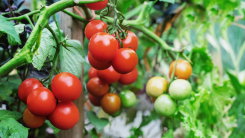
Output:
x=57 y=24
x=172 y=75
x=241 y=52
x=87 y=12
x=23 y=16
x=29 y=20
x=187 y=58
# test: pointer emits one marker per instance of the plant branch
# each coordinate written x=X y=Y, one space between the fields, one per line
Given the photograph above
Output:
x=23 y=16
x=87 y=12
x=10 y=9
x=29 y=20
x=172 y=75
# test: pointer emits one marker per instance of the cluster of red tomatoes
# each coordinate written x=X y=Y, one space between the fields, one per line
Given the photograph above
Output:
x=42 y=103
x=179 y=89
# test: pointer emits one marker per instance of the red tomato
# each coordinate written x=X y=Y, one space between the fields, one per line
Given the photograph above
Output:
x=108 y=75
x=94 y=100
x=131 y=41
x=125 y=61
x=32 y=120
x=65 y=115
x=26 y=87
x=94 y=27
x=97 y=5
x=97 y=87
x=183 y=69
x=41 y=102
x=110 y=103
x=96 y=64
x=66 y=87
x=103 y=47
x=129 y=78
x=92 y=73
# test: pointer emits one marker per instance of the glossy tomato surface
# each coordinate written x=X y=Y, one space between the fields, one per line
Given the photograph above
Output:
x=128 y=98
x=97 y=87
x=131 y=41
x=97 y=64
x=65 y=116
x=108 y=75
x=165 y=105
x=110 y=103
x=66 y=87
x=92 y=73
x=125 y=60
x=97 y=5
x=95 y=27
x=103 y=47
x=26 y=87
x=94 y=100
x=32 y=120
x=156 y=86
x=41 y=102
x=183 y=69
x=129 y=78
x=180 y=89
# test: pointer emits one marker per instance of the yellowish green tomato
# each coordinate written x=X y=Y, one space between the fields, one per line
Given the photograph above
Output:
x=165 y=105
x=180 y=89
x=119 y=112
x=156 y=86
x=128 y=98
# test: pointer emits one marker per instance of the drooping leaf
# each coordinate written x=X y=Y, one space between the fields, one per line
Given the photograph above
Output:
x=99 y=123
x=56 y=130
x=5 y=114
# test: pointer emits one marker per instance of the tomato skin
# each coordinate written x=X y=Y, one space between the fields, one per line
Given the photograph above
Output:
x=119 y=112
x=165 y=105
x=131 y=41
x=183 y=69
x=110 y=103
x=65 y=115
x=41 y=102
x=128 y=99
x=96 y=64
x=129 y=78
x=180 y=89
x=32 y=120
x=94 y=27
x=156 y=86
x=125 y=60
x=26 y=87
x=97 y=5
x=108 y=75
x=103 y=47
x=92 y=73
x=97 y=87
x=66 y=87
x=94 y=100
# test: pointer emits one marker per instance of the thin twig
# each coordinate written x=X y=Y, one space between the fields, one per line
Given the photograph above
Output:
x=10 y=9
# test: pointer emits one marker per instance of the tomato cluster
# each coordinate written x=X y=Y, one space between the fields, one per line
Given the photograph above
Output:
x=42 y=103
x=179 y=89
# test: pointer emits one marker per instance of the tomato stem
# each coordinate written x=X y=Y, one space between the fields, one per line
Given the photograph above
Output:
x=172 y=75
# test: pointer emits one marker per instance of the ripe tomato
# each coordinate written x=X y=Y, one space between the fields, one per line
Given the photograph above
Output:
x=128 y=98
x=97 y=87
x=156 y=86
x=41 y=102
x=92 y=73
x=129 y=78
x=97 y=5
x=110 y=103
x=131 y=41
x=183 y=69
x=180 y=89
x=26 y=87
x=97 y=64
x=165 y=105
x=94 y=100
x=66 y=87
x=103 y=47
x=119 y=112
x=32 y=120
x=108 y=75
x=94 y=27
x=65 y=115
x=125 y=61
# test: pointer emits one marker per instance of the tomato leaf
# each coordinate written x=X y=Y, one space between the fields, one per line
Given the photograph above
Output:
x=71 y=61
x=56 y=130
x=5 y=114
x=6 y=89
x=94 y=134
x=19 y=29
x=235 y=82
x=10 y=128
x=169 y=134
x=99 y=123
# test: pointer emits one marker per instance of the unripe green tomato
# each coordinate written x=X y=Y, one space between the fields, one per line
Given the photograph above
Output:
x=180 y=89
x=128 y=98
x=165 y=105
x=156 y=86
x=119 y=112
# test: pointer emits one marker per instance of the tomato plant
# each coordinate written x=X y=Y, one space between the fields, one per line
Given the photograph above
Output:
x=32 y=120
x=108 y=75
x=97 y=5
x=92 y=73
x=156 y=86
x=131 y=41
x=180 y=89
x=129 y=78
x=94 y=27
x=165 y=105
x=128 y=99
x=94 y=100
x=110 y=103
x=96 y=64
x=183 y=69
x=97 y=87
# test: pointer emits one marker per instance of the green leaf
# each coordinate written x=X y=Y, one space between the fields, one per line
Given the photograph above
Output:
x=19 y=28
x=170 y=1
x=10 y=128
x=147 y=119
x=5 y=90
x=235 y=82
x=131 y=114
x=169 y=134
x=5 y=114
x=99 y=123
x=94 y=134
x=56 y=130
x=71 y=61
x=123 y=5
x=8 y=28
